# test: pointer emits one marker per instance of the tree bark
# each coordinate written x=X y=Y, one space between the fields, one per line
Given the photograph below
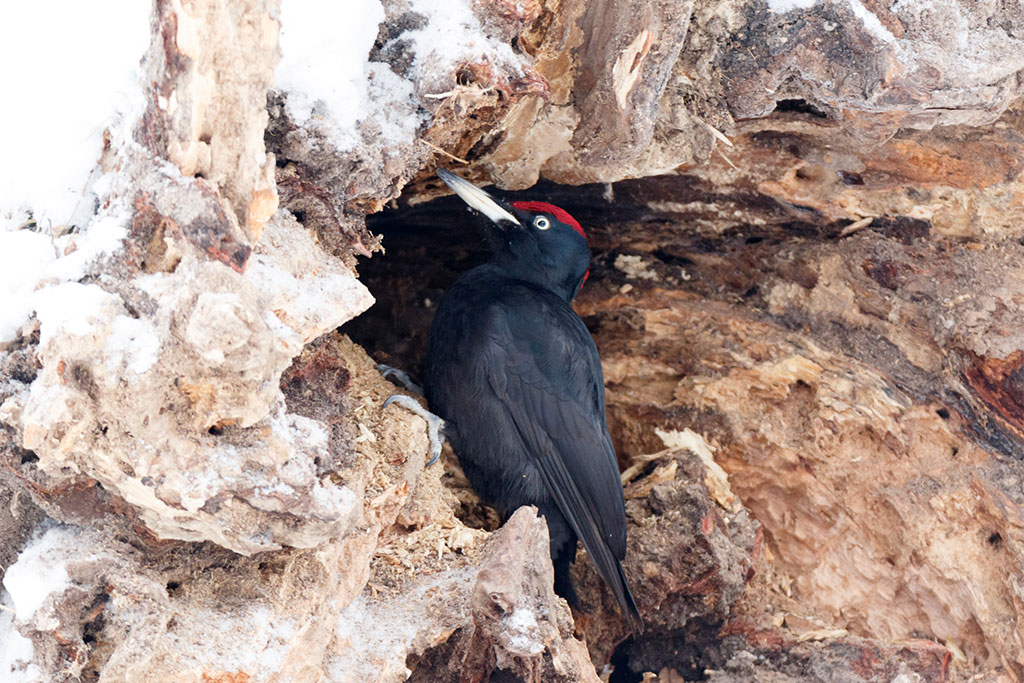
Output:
x=807 y=227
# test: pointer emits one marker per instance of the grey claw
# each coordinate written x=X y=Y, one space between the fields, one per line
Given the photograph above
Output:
x=387 y=372
x=435 y=425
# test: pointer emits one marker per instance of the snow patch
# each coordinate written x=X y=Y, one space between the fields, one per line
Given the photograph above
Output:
x=326 y=72
x=393 y=106
x=522 y=629
x=323 y=66
x=71 y=307
x=374 y=632
x=973 y=50
x=65 y=81
x=29 y=261
x=871 y=22
x=104 y=235
x=329 y=80
x=16 y=651
x=133 y=342
x=39 y=572
x=23 y=255
x=266 y=637
x=452 y=35
x=783 y=6
x=310 y=299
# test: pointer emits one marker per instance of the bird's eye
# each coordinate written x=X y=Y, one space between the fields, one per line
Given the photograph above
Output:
x=541 y=223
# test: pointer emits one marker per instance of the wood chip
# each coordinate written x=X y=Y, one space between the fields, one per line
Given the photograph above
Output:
x=365 y=434
x=727 y=159
x=719 y=135
x=441 y=151
x=639 y=463
x=822 y=634
x=856 y=225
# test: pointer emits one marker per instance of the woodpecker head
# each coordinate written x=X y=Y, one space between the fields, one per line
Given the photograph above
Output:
x=533 y=241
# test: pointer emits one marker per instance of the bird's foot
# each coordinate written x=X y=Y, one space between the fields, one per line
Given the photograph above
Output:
x=402 y=377
x=435 y=425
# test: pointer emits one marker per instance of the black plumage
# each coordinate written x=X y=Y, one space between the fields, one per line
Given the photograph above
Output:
x=516 y=375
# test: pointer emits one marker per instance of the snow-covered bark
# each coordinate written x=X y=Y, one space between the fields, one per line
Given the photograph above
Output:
x=179 y=226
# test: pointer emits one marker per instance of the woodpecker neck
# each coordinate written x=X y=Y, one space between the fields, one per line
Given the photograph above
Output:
x=560 y=270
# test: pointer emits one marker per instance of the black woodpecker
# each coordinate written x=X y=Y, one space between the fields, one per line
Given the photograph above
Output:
x=516 y=376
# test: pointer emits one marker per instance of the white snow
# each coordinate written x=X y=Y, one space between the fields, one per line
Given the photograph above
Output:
x=23 y=255
x=251 y=640
x=103 y=234
x=453 y=35
x=325 y=67
x=70 y=307
x=324 y=48
x=309 y=299
x=311 y=433
x=16 y=650
x=783 y=6
x=69 y=69
x=393 y=106
x=871 y=22
x=372 y=633
x=39 y=571
x=133 y=342
x=29 y=261
x=522 y=627
x=65 y=82
x=972 y=49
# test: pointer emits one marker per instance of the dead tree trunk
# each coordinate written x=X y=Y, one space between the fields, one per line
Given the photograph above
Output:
x=807 y=289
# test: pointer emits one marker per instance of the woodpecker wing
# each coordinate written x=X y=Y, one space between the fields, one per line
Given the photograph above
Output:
x=544 y=367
